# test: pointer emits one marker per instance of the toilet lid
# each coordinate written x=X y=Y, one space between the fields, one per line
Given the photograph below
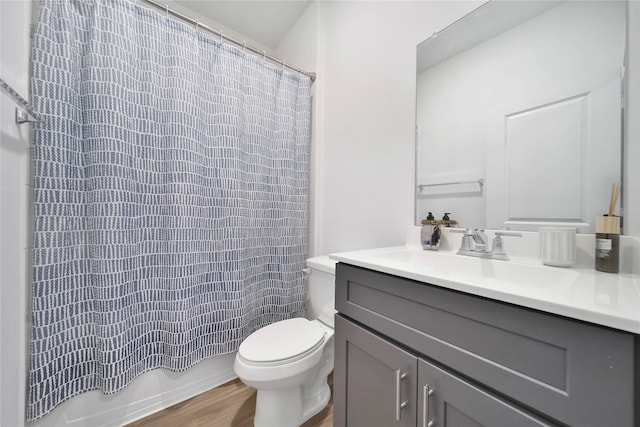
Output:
x=281 y=340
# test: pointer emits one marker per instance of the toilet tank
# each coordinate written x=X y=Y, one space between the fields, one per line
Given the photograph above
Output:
x=321 y=289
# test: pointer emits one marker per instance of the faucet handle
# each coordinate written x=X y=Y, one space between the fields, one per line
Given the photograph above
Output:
x=466 y=243
x=480 y=233
x=497 y=241
x=467 y=231
x=507 y=233
x=496 y=248
x=460 y=230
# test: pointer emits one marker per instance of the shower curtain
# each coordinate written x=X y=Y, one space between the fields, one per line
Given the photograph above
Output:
x=170 y=197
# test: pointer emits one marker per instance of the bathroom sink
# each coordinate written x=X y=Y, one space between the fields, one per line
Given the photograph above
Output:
x=485 y=272
x=579 y=293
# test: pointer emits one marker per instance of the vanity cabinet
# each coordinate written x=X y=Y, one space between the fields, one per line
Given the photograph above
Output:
x=486 y=363
x=381 y=388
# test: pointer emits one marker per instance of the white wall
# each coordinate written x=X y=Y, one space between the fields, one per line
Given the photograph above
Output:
x=181 y=8
x=366 y=121
x=15 y=18
x=368 y=59
x=300 y=47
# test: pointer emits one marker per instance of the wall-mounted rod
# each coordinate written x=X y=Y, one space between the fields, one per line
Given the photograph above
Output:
x=480 y=182
x=237 y=42
x=24 y=114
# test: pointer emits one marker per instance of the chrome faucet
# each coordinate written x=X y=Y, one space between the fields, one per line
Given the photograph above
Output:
x=475 y=243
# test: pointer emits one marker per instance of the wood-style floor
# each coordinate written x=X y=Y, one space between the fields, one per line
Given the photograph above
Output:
x=230 y=405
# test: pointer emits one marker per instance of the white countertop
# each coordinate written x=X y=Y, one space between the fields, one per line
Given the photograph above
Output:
x=605 y=299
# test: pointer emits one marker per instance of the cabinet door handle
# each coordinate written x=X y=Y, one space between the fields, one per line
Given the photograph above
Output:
x=426 y=409
x=399 y=403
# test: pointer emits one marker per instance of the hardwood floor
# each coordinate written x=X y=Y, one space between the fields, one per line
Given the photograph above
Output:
x=230 y=405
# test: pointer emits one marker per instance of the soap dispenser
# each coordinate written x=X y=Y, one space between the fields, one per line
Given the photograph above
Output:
x=430 y=233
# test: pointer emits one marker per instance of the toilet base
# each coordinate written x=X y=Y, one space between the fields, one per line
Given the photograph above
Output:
x=287 y=408
x=278 y=408
x=313 y=404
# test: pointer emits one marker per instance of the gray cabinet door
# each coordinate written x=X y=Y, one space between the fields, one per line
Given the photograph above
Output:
x=367 y=390
x=454 y=402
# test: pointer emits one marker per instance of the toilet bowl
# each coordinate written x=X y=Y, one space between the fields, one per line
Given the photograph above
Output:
x=288 y=362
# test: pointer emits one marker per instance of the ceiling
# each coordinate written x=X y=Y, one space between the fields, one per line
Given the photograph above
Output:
x=264 y=21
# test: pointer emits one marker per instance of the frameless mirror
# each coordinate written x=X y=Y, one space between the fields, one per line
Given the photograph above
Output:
x=519 y=114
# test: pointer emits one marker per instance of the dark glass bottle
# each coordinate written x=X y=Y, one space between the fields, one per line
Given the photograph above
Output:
x=608 y=244
x=608 y=252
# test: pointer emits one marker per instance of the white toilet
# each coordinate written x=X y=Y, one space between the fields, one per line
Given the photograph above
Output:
x=288 y=361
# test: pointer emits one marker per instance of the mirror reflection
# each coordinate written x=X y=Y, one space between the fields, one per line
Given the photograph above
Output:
x=518 y=115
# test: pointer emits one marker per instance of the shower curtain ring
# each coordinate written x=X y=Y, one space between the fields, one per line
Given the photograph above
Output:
x=264 y=55
x=283 y=65
x=166 y=7
x=221 y=37
x=197 y=24
x=244 y=46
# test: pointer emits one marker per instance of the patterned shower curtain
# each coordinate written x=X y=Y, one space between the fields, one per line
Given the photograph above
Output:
x=170 y=197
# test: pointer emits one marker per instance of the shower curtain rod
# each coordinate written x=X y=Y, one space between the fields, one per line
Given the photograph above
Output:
x=237 y=42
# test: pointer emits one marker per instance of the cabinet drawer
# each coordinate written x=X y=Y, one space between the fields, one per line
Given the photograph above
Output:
x=573 y=372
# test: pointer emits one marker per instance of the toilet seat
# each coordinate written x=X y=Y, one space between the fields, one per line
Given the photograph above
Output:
x=282 y=342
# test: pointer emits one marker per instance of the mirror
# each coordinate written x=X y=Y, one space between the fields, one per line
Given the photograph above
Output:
x=519 y=115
